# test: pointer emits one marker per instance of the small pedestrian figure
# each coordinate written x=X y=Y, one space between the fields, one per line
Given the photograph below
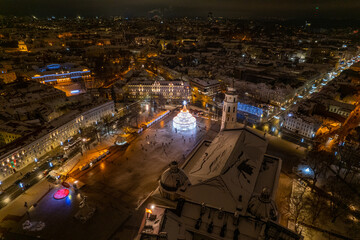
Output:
x=25 y=204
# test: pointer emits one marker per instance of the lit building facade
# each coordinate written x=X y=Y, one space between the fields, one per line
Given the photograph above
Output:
x=7 y=76
x=12 y=130
x=22 y=46
x=55 y=74
x=250 y=109
x=301 y=125
x=170 y=90
x=8 y=137
x=205 y=86
x=31 y=147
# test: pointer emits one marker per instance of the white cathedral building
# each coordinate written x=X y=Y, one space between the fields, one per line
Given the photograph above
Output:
x=224 y=190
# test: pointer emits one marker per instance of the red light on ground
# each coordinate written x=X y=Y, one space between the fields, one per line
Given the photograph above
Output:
x=62 y=193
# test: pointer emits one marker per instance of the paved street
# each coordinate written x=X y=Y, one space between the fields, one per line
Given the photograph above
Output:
x=9 y=180
x=117 y=185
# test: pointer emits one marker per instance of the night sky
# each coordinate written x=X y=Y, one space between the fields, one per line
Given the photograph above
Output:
x=170 y=8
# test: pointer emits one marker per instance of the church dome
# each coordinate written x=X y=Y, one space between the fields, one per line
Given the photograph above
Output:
x=262 y=206
x=173 y=178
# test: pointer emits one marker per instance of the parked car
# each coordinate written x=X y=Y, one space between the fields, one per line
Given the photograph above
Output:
x=27 y=175
x=46 y=172
x=17 y=182
x=86 y=166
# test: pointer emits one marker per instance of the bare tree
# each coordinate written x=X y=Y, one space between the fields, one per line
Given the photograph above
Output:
x=339 y=197
x=318 y=162
x=296 y=206
x=347 y=158
x=161 y=101
x=107 y=122
x=315 y=204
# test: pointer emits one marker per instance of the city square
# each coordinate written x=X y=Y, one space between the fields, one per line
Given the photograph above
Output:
x=120 y=183
x=166 y=120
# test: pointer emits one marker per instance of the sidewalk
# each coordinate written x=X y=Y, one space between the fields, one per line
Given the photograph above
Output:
x=14 y=212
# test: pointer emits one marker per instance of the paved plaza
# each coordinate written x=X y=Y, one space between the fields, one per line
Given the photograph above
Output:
x=116 y=186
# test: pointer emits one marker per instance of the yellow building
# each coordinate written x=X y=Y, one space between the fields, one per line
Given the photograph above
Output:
x=7 y=77
x=12 y=130
x=22 y=46
x=6 y=137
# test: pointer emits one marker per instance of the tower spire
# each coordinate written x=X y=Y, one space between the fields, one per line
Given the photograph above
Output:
x=228 y=120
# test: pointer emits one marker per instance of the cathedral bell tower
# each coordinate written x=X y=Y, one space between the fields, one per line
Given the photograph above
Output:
x=228 y=120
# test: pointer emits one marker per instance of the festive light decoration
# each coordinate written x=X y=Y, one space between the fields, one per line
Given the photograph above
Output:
x=184 y=120
x=62 y=193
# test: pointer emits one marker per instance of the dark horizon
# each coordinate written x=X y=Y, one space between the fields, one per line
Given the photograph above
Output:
x=330 y=9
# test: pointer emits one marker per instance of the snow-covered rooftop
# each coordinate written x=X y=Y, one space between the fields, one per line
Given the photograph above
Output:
x=228 y=169
x=224 y=176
